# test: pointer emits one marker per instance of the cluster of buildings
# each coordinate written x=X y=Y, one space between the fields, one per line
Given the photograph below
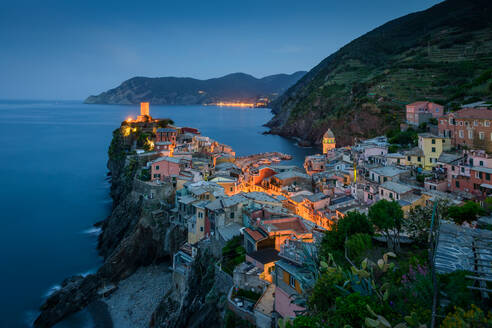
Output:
x=279 y=211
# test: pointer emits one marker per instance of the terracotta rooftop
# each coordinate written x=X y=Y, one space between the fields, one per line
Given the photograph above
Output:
x=293 y=224
x=256 y=235
x=478 y=113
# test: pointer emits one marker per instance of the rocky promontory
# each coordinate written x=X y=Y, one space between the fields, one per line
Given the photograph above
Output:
x=131 y=237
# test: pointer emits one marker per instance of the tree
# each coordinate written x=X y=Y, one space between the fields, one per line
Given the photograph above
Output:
x=352 y=223
x=417 y=224
x=387 y=217
x=465 y=213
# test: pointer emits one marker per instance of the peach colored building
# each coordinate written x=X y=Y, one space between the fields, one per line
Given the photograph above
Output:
x=420 y=112
x=470 y=127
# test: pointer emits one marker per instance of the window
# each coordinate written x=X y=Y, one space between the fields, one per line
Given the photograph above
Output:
x=461 y=123
x=487 y=123
x=481 y=135
x=408 y=157
x=157 y=167
x=476 y=186
x=292 y=281
x=419 y=158
x=433 y=141
x=461 y=134
x=462 y=170
x=442 y=121
x=470 y=134
x=231 y=189
x=475 y=123
x=385 y=179
x=487 y=176
x=452 y=168
x=232 y=215
x=391 y=195
x=481 y=163
x=457 y=184
x=480 y=175
x=476 y=175
x=382 y=192
x=433 y=149
x=201 y=229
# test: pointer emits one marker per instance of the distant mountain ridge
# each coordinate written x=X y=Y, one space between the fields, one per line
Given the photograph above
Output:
x=442 y=54
x=189 y=91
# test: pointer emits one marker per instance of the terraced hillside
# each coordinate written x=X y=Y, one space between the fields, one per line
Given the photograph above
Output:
x=443 y=54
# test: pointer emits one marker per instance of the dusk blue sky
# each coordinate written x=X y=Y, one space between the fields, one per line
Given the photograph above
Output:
x=70 y=49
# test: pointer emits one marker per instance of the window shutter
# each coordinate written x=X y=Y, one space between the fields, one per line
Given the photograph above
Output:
x=286 y=277
x=298 y=287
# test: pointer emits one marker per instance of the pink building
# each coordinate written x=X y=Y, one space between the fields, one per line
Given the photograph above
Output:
x=164 y=167
x=421 y=111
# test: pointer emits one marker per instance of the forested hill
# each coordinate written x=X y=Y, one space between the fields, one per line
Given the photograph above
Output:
x=187 y=91
x=443 y=54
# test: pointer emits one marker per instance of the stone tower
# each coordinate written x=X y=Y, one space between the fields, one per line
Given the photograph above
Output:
x=144 y=109
x=328 y=141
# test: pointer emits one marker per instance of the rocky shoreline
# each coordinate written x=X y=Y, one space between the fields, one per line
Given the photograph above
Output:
x=130 y=239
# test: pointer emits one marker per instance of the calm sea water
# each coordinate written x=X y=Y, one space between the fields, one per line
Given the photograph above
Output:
x=54 y=187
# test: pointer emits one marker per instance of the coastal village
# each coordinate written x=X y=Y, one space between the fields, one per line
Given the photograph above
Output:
x=265 y=219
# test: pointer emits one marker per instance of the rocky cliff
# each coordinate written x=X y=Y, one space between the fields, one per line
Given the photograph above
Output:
x=442 y=54
x=189 y=91
x=130 y=238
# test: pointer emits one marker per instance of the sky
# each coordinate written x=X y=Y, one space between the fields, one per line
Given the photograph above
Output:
x=69 y=49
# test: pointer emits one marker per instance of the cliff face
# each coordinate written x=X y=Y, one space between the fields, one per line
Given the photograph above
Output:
x=442 y=54
x=203 y=302
x=189 y=91
x=130 y=238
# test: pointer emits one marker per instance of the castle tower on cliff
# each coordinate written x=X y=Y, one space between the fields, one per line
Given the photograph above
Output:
x=329 y=142
x=144 y=113
x=144 y=109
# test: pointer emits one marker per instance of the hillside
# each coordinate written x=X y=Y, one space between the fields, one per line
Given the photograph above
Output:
x=443 y=54
x=188 y=91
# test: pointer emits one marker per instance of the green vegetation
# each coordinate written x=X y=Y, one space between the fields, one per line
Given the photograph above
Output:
x=443 y=54
x=408 y=138
x=144 y=175
x=233 y=321
x=334 y=240
x=116 y=152
x=465 y=213
x=250 y=295
x=165 y=122
x=233 y=254
x=370 y=286
x=387 y=217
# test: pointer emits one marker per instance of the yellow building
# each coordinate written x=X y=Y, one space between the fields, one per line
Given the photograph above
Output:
x=196 y=224
x=429 y=149
x=329 y=142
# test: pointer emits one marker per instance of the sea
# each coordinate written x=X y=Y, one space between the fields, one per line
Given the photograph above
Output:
x=54 y=187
